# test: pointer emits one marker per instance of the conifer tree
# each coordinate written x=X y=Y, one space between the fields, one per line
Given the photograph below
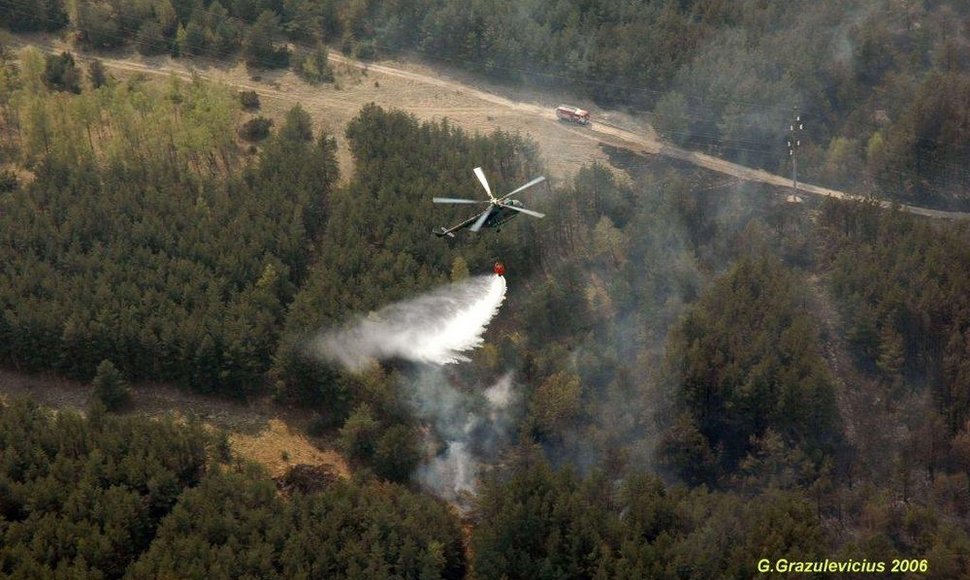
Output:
x=110 y=388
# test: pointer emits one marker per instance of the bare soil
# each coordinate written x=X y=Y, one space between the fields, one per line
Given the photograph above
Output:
x=438 y=93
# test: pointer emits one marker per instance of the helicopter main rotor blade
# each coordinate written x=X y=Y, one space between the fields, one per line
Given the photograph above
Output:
x=481 y=177
x=481 y=220
x=525 y=211
x=455 y=200
x=526 y=186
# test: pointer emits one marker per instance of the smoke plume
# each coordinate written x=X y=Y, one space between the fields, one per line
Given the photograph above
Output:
x=471 y=429
x=467 y=428
x=435 y=328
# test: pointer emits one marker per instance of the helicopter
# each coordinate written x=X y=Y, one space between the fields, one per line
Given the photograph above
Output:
x=499 y=210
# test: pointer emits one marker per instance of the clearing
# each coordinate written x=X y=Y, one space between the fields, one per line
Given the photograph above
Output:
x=260 y=431
x=472 y=104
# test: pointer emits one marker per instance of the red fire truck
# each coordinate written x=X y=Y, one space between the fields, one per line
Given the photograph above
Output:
x=572 y=114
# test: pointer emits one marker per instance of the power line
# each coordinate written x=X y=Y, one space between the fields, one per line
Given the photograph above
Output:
x=795 y=129
x=212 y=16
x=712 y=139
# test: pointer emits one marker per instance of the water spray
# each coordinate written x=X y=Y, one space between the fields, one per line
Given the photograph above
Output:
x=435 y=328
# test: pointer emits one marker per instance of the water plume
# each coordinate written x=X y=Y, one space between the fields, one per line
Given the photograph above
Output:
x=434 y=328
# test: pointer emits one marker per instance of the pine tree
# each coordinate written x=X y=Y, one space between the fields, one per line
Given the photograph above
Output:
x=97 y=74
x=110 y=388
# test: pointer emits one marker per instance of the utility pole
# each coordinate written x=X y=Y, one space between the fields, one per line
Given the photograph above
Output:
x=794 y=143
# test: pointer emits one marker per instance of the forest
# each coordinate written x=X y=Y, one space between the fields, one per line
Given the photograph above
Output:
x=705 y=375
x=880 y=86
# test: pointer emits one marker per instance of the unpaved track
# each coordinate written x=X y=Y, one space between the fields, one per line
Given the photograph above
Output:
x=428 y=95
x=618 y=136
x=566 y=148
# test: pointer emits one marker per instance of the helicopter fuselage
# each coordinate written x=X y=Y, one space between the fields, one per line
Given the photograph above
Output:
x=499 y=210
x=500 y=214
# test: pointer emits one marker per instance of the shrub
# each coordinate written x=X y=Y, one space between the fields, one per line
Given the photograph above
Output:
x=314 y=67
x=255 y=129
x=249 y=100
x=8 y=180
x=61 y=74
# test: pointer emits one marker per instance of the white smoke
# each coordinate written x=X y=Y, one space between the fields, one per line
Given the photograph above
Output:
x=500 y=394
x=435 y=328
x=452 y=474
x=473 y=427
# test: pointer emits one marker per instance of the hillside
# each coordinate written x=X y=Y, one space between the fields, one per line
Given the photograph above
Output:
x=871 y=83
x=683 y=374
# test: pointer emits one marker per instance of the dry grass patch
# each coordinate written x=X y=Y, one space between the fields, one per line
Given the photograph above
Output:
x=278 y=447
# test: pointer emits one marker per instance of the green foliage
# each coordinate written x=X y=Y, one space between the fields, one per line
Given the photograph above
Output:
x=318 y=426
x=8 y=181
x=307 y=20
x=313 y=66
x=903 y=286
x=378 y=434
x=256 y=129
x=190 y=39
x=259 y=47
x=459 y=269
x=378 y=245
x=366 y=50
x=556 y=403
x=195 y=268
x=747 y=361
x=358 y=436
x=222 y=527
x=61 y=74
x=234 y=525
x=32 y=16
x=891 y=356
x=924 y=151
x=843 y=163
x=671 y=116
x=87 y=494
x=98 y=25
x=212 y=33
x=397 y=453
x=557 y=308
x=154 y=255
x=249 y=100
x=541 y=524
x=97 y=74
x=150 y=39
x=113 y=497
x=717 y=76
x=297 y=127
x=620 y=261
x=302 y=379
x=110 y=388
x=688 y=451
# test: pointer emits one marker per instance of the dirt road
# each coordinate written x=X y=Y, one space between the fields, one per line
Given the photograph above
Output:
x=430 y=95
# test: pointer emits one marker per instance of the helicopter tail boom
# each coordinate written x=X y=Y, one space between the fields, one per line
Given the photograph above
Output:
x=442 y=232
